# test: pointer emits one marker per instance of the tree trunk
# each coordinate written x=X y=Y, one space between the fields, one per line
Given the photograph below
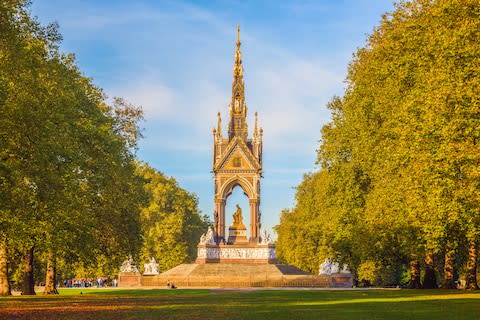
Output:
x=449 y=268
x=28 y=282
x=50 y=277
x=471 y=281
x=4 y=281
x=414 y=282
x=430 y=279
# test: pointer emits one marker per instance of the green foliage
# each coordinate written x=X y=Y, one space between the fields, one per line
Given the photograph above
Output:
x=67 y=161
x=69 y=179
x=367 y=271
x=301 y=241
x=171 y=223
x=401 y=152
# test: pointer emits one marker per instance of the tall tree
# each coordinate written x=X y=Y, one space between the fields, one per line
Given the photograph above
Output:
x=171 y=223
x=67 y=157
x=402 y=145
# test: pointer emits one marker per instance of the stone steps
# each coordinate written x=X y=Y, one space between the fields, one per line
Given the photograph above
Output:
x=233 y=270
x=235 y=275
x=183 y=269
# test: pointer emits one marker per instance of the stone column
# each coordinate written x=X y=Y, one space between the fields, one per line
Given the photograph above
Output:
x=220 y=223
x=254 y=220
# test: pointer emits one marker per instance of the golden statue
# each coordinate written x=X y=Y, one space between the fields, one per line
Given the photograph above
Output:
x=237 y=216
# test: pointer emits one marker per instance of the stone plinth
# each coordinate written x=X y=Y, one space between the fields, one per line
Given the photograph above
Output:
x=237 y=234
x=236 y=253
x=129 y=279
x=341 y=280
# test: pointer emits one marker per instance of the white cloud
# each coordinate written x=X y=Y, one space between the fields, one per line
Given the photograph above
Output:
x=292 y=98
x=97 y=18
x=156 y=99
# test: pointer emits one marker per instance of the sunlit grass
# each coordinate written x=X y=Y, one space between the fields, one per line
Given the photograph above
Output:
x=394 y=299
x=244 y=304
x=129 y=292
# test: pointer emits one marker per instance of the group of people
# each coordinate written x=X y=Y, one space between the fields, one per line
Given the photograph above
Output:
x=100 y=282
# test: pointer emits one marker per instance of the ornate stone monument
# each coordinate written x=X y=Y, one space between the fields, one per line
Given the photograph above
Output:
x=237 y=161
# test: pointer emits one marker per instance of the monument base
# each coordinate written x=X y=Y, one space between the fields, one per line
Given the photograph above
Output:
x=241 y=266
x=244 y=253
x=236 y=275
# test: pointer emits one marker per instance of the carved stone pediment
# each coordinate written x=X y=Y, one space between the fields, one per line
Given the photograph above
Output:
x=237 y=156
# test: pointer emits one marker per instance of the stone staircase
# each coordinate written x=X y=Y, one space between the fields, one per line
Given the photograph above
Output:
x=235 y=275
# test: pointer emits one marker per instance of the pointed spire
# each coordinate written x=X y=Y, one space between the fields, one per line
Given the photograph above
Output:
x=219 y=124
x=255 y=128
x=237 y=67
x=238 y=108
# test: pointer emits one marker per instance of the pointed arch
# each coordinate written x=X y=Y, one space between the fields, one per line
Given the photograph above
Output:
x=227 y=188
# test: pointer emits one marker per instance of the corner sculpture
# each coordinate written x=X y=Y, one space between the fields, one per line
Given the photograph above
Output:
x=129 y=266
x=207 y=238
x=151 y=268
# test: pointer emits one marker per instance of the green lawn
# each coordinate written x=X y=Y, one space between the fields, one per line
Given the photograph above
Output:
x=245 y=304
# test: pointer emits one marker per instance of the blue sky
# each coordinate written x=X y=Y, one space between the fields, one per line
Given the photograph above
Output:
x=175 y=58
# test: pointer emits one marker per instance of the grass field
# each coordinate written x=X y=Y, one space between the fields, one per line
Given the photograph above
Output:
x=244 y=304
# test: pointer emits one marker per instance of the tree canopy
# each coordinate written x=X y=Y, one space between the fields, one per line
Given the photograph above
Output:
x=399 y=178
x=171 y=223
x=72 y=192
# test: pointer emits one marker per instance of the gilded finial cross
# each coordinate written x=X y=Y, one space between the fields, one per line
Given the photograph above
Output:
x=238 y=34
